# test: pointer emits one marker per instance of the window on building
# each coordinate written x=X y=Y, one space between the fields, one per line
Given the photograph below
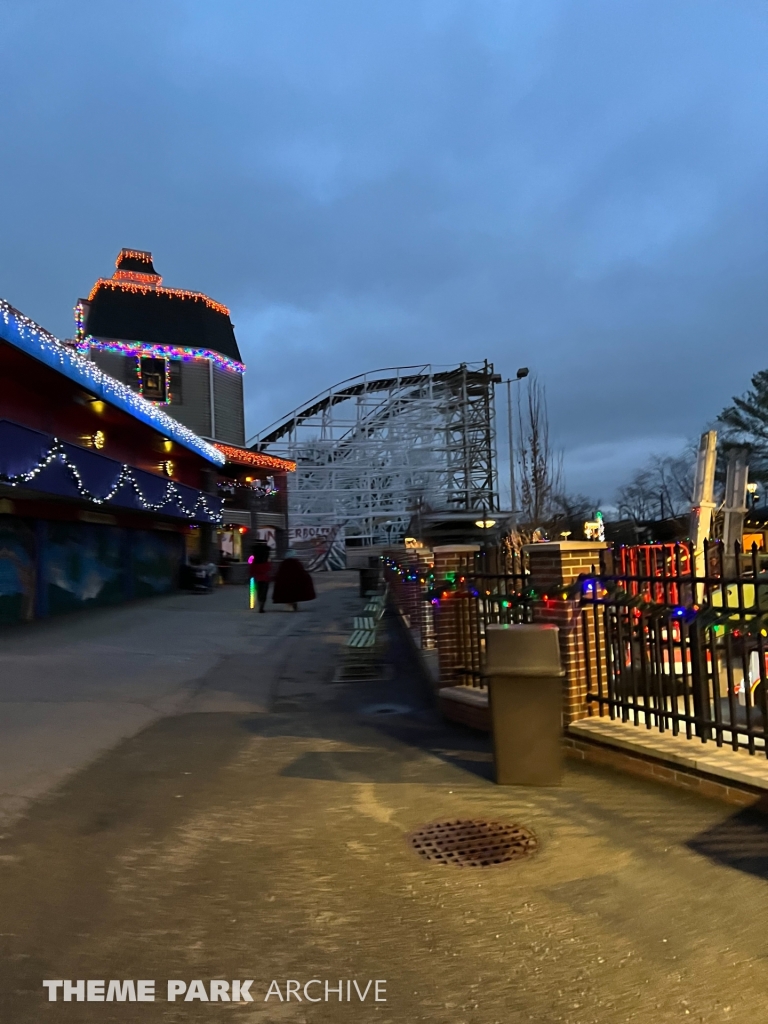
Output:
x=152 y=373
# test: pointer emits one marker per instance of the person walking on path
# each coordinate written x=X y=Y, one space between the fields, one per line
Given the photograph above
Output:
x=292 y=582
x=261 y=572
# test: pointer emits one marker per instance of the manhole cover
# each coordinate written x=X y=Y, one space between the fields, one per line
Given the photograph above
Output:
x=472 y=844
x=385 y=709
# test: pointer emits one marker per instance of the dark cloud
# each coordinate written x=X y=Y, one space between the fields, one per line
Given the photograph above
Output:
x=578 y=187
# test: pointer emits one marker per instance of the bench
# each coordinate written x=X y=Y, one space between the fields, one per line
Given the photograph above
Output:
x=363 y=648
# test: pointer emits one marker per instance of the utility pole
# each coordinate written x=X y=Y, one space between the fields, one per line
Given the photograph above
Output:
x=521 y=374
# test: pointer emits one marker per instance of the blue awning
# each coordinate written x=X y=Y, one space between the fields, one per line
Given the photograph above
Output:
x=43 y=463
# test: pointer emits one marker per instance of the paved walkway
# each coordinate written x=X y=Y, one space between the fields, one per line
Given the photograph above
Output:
x=257 y=831
x=75 y=686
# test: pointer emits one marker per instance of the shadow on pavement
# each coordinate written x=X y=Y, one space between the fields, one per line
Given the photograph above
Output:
x=739 y=842
x=392 y=716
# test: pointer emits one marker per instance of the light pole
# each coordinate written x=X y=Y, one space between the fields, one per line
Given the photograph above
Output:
x=521 y=373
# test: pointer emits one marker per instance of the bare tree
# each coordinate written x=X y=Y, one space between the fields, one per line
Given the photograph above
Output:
x=637 y=498
x=540 y=466
x=569 y=513
x=660 y=489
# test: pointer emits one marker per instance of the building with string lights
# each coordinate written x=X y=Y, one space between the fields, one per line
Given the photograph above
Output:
x=174 y=347
x=177 y=349
x=103 y=495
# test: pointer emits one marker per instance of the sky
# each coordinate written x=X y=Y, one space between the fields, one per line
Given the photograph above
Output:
x=577 y=187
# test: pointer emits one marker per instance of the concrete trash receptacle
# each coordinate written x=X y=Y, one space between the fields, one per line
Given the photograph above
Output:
x=525 y=682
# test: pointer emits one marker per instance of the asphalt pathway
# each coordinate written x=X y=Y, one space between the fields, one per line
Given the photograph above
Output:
x=254 y=829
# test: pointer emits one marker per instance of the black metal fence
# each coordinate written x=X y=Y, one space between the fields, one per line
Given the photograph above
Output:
x=678 y=641
x=484 y=597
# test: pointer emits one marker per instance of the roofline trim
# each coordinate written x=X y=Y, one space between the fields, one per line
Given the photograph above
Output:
x=24 y=334
x=150 y=286
x=144 y=348
x=260 y=460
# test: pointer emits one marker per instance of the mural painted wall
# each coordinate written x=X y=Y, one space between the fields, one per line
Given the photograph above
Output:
x=156 y=559
x=83 y=566
x=319 y=547
x=49 y=567
x=17 y=570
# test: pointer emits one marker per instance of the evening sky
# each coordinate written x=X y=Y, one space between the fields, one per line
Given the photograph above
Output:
x=578 y=187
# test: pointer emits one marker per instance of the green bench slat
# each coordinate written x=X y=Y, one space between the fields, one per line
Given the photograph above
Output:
x=362 y=638
x=364 y=622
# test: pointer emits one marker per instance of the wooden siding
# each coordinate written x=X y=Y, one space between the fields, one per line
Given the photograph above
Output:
x=228 y=398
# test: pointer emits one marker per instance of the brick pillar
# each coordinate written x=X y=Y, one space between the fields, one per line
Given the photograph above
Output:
x=557 y=564
x=453 y=632
x=408 y=595
x=426 y=610
x=392 y=574
x=422 y=619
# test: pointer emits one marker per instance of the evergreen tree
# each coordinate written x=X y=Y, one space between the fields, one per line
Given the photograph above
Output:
x=745 y=425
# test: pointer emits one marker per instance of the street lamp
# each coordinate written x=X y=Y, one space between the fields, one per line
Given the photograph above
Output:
x=521 y=374
x=485 y=524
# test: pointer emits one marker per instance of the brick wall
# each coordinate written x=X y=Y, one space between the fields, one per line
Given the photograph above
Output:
x=557 y=565
x=408 y=595
x=646 y=767
x=457 y=629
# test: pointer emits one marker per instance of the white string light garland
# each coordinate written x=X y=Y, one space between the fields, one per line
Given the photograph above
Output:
x=44 y=346
x=171 y=496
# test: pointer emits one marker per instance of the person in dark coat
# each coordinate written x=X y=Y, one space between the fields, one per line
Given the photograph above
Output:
x=292 y=582
x=261 y=572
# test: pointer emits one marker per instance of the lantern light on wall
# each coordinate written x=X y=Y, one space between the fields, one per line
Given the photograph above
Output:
x=97 y=440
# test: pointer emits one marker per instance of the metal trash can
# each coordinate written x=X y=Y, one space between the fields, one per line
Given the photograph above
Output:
x=525 y=681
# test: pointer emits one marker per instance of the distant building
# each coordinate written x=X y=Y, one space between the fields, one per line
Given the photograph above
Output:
x=176 y=348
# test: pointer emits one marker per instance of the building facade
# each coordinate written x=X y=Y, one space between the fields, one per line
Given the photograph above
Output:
x=176 y=348
x=103 y=495
x=254 y=488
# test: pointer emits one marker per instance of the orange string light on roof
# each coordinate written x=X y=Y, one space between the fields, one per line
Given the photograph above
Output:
x=138 y=277
x=136 y=254
x=246 y=457
x=152 y=286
